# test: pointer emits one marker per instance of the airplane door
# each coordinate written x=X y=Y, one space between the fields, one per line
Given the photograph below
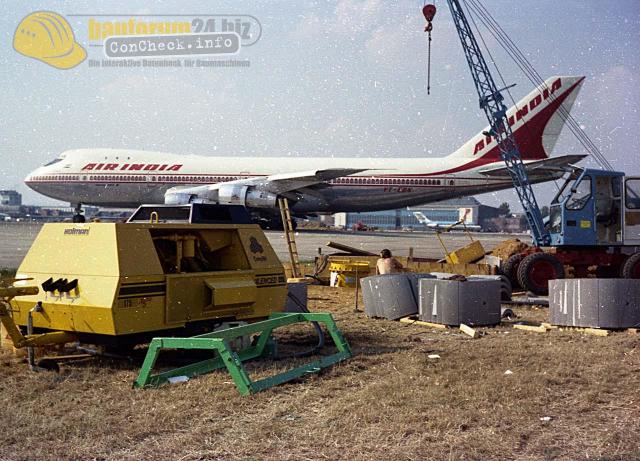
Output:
x=579 y=209
x=632 y=211
x=608 y=222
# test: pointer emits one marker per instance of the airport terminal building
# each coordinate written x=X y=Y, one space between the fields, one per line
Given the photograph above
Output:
x=10 y=198
x=444 y=212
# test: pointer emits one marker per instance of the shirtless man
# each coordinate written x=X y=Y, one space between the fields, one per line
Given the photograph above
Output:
x=387 y=264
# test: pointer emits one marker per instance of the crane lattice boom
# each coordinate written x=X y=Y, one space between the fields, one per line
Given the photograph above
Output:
x=491 y=101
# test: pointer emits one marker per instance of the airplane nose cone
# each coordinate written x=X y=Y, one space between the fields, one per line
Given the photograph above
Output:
x=30 y=179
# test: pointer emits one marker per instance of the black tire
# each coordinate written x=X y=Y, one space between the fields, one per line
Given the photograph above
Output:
x=536 y=270
x=631 y=267
x=122 y=350
x=48 y=364
x=510 y=269
x=78 y=218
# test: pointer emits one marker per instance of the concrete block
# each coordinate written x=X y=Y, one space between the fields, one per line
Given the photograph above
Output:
x=630 y=304
x=451 y=302
x=595 y=303
x=368 y=286
x=414 y=279
x=391 y=296
x=506 y=290
x=296 y=297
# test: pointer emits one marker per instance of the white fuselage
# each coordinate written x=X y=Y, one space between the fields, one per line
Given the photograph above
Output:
x=125 y=178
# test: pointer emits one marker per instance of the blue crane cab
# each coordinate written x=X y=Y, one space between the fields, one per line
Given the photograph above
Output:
x=596 y=208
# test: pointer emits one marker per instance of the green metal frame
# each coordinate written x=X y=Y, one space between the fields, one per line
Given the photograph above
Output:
x=219 y=341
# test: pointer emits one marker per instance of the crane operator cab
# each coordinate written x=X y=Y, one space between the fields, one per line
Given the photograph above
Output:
x=596 y=208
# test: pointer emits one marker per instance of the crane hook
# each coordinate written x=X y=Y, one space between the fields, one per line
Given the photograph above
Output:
x=429 y=12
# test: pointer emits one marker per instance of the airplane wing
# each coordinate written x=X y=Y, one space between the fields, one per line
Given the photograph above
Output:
x=547 y=165
x=287 y=182
x=257 y=191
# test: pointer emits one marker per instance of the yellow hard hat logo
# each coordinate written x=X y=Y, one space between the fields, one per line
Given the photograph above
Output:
x=47 y=37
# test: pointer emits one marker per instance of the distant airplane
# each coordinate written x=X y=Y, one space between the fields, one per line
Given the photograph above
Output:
x=437 y=226
x=123 y=178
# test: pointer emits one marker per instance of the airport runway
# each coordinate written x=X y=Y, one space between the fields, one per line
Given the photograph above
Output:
x=425 y=245
x=15 y=239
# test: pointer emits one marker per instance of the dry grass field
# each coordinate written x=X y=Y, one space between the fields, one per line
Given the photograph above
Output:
x=569 y=396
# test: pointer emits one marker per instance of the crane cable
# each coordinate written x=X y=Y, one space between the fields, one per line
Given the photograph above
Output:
x=511 y=48
x=516 y=54
x=504 y=83
x=429 y=11
x=534 y=77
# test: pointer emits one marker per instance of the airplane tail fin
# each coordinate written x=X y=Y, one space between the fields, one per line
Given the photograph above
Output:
x=422 y=219
x=536 y=120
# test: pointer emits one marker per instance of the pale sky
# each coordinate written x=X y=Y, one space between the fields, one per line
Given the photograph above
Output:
x=341 y=78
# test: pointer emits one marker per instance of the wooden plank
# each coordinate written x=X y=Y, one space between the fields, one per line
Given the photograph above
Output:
x=467 y=330
x=589 y=331
x=534 y=328
x=548 y=326
x=463 y=269
x=596 y=331
x=60 y=358
x=349 y=249
x=423 y=324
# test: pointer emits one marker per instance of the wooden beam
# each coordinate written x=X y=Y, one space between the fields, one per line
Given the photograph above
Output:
x=534 y=328
x=467 y=330
x=409 y=320
x=589 y=331
x=596 y=331
x=349 y=249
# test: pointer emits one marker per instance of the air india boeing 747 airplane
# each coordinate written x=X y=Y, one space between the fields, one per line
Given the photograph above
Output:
x=122 y=178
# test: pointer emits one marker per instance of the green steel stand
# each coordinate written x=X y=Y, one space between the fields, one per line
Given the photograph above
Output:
x=219 y=341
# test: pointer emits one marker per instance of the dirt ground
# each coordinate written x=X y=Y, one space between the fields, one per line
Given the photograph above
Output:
x=568 y=396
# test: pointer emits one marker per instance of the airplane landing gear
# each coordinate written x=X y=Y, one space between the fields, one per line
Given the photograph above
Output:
x=272 y=222
x=78 y=217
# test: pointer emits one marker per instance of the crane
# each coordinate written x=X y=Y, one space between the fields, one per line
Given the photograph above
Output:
x=492 y=103
x=595 y=217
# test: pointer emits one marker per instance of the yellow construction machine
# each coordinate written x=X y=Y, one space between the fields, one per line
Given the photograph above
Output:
x=122 y=284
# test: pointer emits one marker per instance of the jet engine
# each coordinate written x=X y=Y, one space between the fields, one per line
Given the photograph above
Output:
x=249 y=196
x=222 y=194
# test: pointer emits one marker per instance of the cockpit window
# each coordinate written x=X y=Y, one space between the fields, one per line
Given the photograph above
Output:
x=580 y=195
x=53 y=161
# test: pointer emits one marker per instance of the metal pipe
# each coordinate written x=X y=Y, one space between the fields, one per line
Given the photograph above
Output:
x=179 y=255
x=31 y=350
x=357 y=291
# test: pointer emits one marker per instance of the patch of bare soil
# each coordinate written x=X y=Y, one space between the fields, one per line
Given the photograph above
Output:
x=509 y=247
x=510 y=394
